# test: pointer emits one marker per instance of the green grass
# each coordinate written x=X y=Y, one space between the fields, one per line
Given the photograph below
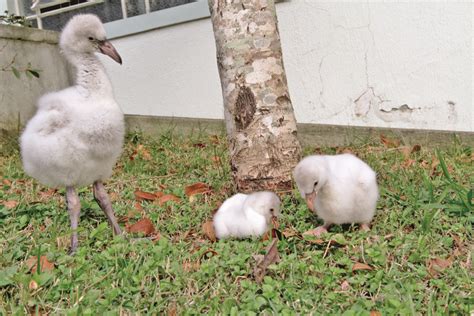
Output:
x=424 y=214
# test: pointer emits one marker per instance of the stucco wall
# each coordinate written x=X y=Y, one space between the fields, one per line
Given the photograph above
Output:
x=404 y=65
x=18 y=96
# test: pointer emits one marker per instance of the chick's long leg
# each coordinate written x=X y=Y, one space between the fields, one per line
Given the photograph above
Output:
x=102 y=198
x=74 y=209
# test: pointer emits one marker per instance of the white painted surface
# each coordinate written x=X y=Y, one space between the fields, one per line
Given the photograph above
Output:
x=404 y=65
x=3 y=6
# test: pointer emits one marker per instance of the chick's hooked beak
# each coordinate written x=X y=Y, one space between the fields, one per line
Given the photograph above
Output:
x=310 y=200
x=108 y=49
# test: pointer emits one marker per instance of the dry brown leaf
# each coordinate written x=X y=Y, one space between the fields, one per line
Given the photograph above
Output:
x=214 y=139
x=10 y=204
x=375 y=313
x=416 y=148
x=345 y=285
x=172 y=309
x=159 y=194
x=48 y=193
x=144 y=226
x=344 y=150
x=317 y=241
x=63 y=242
x=190 y=266
x=199 y=145
x=361 y=266
x=216 y=159
x=144 y=196
x=388 y=142
x=7 y=182
x=155 y=236
x=289 y=232
x=145 y=153
x=32 y=263
x=406 y=151
x=114 y=196
x=211 y=251
x=168 y=197
x=271 y=256
x=138 y=207
x=197 y=188
x=208 y=229
x=408 y=163
x=438 y=265
x=33 y=285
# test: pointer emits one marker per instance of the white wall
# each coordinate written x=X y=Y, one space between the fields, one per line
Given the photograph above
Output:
x=405 y=65
x=3 y=6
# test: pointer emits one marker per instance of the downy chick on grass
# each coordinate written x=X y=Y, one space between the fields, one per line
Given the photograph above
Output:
x=340 y=189
x=242 y=215
x=77 y=133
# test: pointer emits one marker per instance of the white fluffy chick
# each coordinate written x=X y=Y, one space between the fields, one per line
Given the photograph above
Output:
x=340 y=189
x=77 y=133
x=243 y=215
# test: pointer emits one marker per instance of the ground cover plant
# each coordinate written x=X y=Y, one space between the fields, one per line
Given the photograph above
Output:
x=415 y=260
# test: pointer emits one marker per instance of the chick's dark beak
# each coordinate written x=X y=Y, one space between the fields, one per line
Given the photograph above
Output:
x=108 y=49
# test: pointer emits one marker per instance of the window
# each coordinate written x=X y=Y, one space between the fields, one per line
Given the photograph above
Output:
x=53 y=14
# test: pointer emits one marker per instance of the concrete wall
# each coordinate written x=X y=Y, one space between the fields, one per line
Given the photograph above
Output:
x=18 y=47
x=391 y=64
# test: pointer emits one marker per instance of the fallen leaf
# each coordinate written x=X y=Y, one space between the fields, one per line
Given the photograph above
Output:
x=144 y=226
x=388 y=142
x=438 y=265
x=344 y=150
x=7 y=182
x=114 y=196
x=415 y=148
x=204 y=254
x=33 y=285
x=208 y=229
x=155 y=236
x=63 y=242
x=406 y=151
x=10 y=204
x=48 y=193
x=271 y=256
x=145 y=153
x=197 y=188
x=168 y=197
x=361 y=266
x=408 y=163
x=138 y=206
x=216 y=159
x=159 y=194
x=345 y=285
x=315 y=241
x=144 y=196
x=172 y=310
x=375 y=313
x=32 y=263
x=289 y=232
x=199 y=145
x=214 y=139
x=132 y=213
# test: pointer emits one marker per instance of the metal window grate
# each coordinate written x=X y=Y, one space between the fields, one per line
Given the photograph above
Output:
x=54 y=14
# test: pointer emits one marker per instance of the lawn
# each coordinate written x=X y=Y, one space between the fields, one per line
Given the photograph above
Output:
x=417 y=259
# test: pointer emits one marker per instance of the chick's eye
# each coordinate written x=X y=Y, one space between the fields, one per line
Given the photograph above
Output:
x=91 y=38
x=271 y=210
x=316 y=183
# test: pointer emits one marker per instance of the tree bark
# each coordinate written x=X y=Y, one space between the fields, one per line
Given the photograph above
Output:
x=261 y=126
